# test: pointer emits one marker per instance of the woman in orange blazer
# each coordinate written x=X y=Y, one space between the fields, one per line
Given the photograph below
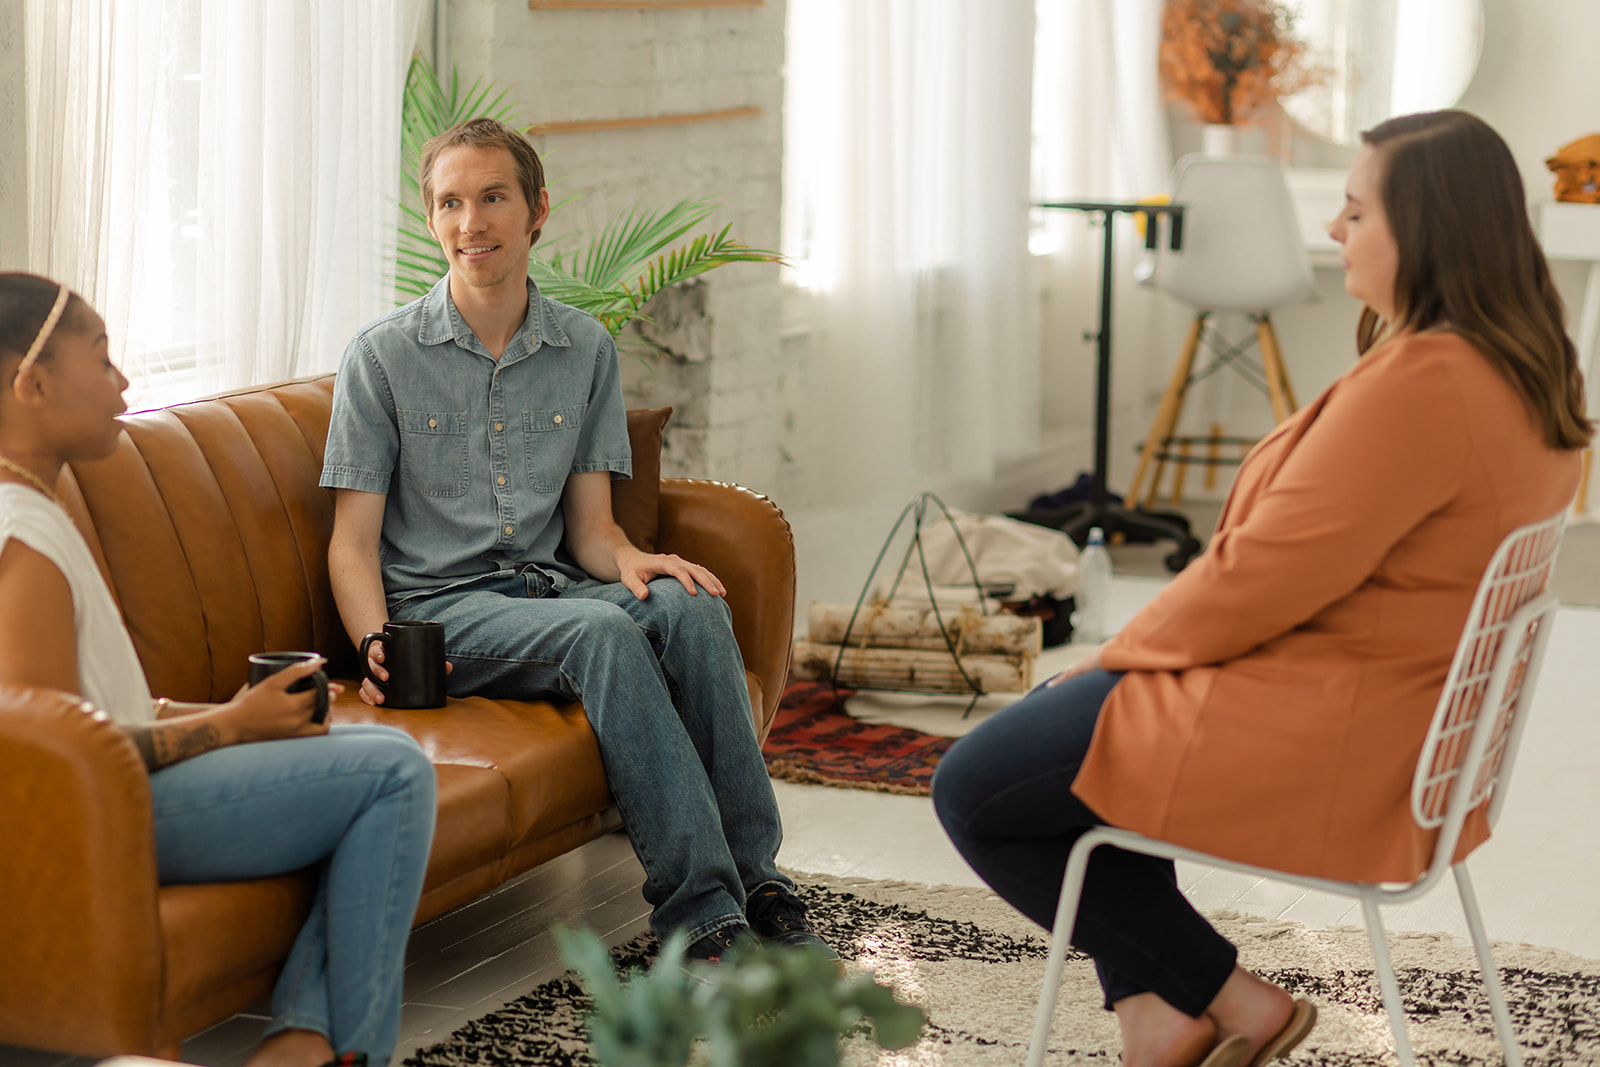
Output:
x=1270 y=704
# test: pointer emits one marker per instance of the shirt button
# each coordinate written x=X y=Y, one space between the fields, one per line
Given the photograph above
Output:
x=501 y=480
x=432 y=423
x=499 y=426
x=508 y=531
x=558 y=420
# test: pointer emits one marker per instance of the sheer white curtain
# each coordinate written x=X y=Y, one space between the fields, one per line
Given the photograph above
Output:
x=219 y=177
x=1100 y=132
x=906 y=187
x=1100 y=129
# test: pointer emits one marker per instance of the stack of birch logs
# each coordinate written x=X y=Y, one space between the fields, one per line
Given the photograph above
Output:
x=897 y=644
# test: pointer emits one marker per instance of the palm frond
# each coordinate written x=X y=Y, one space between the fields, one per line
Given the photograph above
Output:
x=611 y=277
x=561 y=285
x=704 y=253
x=635 y=238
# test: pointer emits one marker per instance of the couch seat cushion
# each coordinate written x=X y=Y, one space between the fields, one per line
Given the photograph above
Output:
x=546 y=755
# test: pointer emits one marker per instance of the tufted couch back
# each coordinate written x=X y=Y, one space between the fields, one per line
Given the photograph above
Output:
x=212 y=532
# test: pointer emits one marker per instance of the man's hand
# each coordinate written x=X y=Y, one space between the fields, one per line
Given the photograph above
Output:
x=369 y=691
x=1088 y=663
x=638 y=568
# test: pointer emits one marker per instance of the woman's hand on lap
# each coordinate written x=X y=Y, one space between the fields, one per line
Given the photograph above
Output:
x=1090 y=662
x=267 y=711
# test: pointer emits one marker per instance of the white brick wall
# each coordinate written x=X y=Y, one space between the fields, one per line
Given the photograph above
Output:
x=734 y=403
x=13 y=138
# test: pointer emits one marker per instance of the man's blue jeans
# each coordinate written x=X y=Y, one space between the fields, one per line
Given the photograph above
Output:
x=663 y=684
x=359 y=803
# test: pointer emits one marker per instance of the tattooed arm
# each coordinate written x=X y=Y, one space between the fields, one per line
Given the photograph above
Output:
x=169 y=741
x=39 y=647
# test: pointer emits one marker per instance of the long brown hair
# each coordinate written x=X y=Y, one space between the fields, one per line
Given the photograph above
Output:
x=1469 y=262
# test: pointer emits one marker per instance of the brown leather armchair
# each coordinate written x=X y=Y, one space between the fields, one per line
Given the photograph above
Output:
x=212 y=532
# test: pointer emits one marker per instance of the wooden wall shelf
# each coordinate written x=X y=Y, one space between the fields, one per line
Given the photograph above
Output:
x=636 y=5
x=681 y=119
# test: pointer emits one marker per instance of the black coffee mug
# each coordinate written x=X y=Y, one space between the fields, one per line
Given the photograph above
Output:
x=265 y=664
x=413 y=654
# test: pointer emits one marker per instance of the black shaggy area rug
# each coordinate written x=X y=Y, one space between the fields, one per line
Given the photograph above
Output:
x=975 y=966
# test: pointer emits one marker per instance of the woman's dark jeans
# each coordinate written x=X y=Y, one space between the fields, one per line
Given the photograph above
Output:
x=1004 y=795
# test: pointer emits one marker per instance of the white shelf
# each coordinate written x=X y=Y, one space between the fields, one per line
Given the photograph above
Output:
x=1569 y=231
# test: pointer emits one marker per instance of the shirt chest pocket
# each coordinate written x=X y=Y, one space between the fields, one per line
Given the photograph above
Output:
x=550 y=442
x=433 y=451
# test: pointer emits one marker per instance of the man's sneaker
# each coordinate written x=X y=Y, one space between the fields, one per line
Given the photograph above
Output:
x=779 y=918
x=717 y=944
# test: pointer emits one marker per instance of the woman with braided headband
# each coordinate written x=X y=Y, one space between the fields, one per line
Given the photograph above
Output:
x=246 y=789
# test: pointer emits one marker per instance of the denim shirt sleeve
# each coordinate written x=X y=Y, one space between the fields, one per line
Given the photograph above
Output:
x=603 y=444
x=363 y=436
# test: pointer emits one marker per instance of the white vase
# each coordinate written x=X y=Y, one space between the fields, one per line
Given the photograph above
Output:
x=1219 y=139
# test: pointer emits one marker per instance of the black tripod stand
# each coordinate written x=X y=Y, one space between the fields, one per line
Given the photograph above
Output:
x=1077 y=519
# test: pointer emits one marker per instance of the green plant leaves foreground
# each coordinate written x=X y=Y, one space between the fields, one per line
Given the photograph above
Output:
x=757 y=1007
x=611 y=278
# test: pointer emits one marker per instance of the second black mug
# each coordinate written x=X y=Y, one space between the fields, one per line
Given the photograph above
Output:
x=413 y=654
x=265 y=664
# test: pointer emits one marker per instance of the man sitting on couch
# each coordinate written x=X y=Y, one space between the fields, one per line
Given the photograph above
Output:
x=474 y=438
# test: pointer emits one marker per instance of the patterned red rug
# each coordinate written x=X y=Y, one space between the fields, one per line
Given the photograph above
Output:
x=814 y=739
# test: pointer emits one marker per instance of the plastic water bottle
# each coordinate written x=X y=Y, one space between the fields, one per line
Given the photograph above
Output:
x=1094 y=589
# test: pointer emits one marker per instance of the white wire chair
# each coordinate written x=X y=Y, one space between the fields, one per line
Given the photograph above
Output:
x=1465 y=760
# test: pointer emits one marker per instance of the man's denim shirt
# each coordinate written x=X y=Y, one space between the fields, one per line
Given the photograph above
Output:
x=474 y=453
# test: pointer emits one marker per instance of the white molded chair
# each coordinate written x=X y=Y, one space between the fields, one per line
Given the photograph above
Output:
x=1465 y=761
x=1241 y=253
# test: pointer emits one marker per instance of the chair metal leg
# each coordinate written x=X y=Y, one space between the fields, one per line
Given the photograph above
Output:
x=1386 y=979
x=1491 y=974
x=1060 y=941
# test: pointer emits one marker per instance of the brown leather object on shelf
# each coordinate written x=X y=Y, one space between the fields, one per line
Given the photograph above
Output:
x=1577 y=170
x=210 y=527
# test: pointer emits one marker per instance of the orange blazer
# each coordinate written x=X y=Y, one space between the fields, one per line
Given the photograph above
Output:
x=1280 y=687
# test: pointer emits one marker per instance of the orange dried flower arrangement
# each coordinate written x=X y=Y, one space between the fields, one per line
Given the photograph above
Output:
x=1227 y=58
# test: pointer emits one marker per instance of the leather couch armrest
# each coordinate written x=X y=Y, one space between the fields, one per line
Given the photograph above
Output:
x=79 y=925
x=743 y=538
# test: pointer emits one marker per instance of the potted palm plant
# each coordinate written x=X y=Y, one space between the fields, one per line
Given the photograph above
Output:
x=634 y=257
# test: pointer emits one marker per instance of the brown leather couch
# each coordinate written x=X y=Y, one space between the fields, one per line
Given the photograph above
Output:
x=211 y=529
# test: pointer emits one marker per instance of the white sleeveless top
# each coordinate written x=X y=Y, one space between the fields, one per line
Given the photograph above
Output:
x=108 y=667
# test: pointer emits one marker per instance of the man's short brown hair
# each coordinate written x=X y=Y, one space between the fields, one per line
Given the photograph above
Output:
x=485 y=133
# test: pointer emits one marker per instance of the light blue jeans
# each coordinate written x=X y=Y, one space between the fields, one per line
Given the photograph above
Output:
x=663 y=684
x=359 y=803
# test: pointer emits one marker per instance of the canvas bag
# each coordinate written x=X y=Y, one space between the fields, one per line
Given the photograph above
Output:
x=1034 y=560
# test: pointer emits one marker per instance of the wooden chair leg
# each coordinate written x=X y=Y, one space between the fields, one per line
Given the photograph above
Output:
x=1580 y=506
x=1277 y=374
x=1167 y=414
x=1269 y=364
x=1180 y=474
x=1213 y=454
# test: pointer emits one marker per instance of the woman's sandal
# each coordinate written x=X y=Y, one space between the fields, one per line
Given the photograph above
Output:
x=1229 y=1052
x=348 y=1059
x=1301 y=1020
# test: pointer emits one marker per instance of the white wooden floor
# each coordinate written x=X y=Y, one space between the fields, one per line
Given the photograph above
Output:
x=1538 y=880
